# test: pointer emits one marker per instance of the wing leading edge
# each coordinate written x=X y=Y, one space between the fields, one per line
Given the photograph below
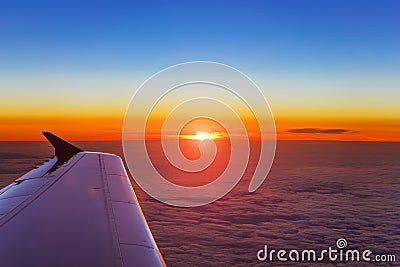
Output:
x=83 y=212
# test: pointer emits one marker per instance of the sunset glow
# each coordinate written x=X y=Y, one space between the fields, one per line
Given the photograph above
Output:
x=202 y=136
x=110 y=128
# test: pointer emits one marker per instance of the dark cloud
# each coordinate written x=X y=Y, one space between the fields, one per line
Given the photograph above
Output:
x=318 y=131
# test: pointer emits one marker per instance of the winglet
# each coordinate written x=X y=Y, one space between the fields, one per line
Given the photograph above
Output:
x=63 y=150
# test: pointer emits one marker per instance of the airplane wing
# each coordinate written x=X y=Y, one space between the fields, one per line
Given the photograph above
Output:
x=77 y=209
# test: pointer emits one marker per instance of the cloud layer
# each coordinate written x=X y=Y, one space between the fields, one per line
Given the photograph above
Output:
x=316 y=193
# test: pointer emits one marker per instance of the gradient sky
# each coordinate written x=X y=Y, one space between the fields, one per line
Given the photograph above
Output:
x=72 y=66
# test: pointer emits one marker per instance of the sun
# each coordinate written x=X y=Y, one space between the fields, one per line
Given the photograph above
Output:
x=202 y=136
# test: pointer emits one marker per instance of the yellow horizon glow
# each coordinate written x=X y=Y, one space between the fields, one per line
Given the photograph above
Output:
x=29 y=128
x=202 y=136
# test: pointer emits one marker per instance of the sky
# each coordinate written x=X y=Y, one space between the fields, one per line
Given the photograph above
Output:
x=329 y=69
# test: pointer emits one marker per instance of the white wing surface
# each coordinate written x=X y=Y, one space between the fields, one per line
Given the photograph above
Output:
x=78 y=209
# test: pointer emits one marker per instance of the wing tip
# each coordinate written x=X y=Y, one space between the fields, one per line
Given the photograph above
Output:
x=63 y=150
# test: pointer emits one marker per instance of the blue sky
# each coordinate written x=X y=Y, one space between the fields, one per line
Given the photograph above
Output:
x=101 y=36
x=321 y=49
